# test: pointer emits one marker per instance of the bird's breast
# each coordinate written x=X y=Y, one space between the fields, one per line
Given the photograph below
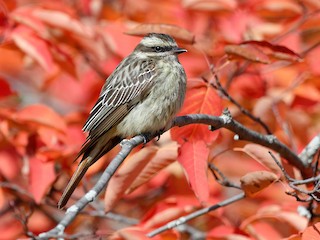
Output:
x=159 y=106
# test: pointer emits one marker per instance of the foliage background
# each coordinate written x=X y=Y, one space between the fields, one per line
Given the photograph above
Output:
x=54 y=58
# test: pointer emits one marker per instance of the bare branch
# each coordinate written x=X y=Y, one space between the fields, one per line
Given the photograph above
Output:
x=223 y=121
x=226 y=121
x=241 y=108
x=310 y=150
x=183 y=220
x=74 y=210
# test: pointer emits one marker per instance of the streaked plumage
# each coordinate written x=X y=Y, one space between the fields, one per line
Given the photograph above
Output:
x=141 y=96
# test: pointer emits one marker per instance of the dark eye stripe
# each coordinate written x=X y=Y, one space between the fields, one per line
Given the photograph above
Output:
x=162 y=49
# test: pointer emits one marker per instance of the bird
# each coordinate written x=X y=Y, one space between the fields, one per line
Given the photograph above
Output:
x=141 y=96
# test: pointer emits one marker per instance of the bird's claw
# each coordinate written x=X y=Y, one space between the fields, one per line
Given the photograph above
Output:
x=146 y=138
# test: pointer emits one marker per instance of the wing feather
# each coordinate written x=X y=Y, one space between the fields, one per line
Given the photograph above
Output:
x=118 y=94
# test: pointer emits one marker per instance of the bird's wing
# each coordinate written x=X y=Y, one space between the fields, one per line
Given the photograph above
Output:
x=122 y=90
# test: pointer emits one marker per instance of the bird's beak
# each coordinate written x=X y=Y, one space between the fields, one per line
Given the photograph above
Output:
x=178 y=50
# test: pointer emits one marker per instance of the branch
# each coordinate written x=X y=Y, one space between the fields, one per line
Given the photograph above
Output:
x=243 y=133
x=238 y=105
x=224 y=121
x=74 y=210
x=310 y=150
x=183 y=220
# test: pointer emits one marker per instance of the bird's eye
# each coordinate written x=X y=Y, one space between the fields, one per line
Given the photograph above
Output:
x=158 y=49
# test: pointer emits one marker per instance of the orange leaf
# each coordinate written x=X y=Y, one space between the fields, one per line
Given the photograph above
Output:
x=277 y=51
x=261 y=155
x=2 y=198
x=255 y=182
x=306 y=95
x=41 y=114
x=193 y=158
x=260 y=51
x=124 y=177
x=200 y=98
x=42 y=175
x=177 y=32
x=312 y=232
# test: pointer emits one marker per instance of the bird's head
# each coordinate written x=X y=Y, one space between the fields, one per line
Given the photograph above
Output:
x=158 y=45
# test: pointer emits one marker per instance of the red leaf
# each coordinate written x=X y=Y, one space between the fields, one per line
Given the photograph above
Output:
x=41 y=114
x=249 y=85
x=5 y=89
x=193 y=158
x=200 y=98
x=34 y=47
x=42 y=175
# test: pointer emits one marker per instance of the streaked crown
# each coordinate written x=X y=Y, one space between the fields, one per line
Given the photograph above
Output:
x=158 y=45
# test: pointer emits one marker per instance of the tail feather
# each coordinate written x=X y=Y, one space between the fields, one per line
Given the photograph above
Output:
x=91 y=154
x=74 y=181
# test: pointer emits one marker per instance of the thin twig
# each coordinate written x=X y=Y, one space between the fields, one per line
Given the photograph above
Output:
x=223 y=180
x=241 y=108
x=183 y=220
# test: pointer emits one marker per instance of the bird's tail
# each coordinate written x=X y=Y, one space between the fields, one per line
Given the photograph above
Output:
x=74 y=181
x=92 y=151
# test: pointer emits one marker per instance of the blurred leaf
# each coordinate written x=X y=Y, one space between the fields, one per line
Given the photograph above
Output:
x=312 y=232
x=5 y=89
x=24 y=16
x=254 y=182
x=247 y=52
x=279 y=8
x=63 y=21
x=41 y=114
x=218 y=5
x=42 y=175
x=261 y=51
x=261 y=155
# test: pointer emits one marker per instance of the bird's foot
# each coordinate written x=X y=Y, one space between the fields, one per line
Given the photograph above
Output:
x=146 y=137
x=159 y=133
